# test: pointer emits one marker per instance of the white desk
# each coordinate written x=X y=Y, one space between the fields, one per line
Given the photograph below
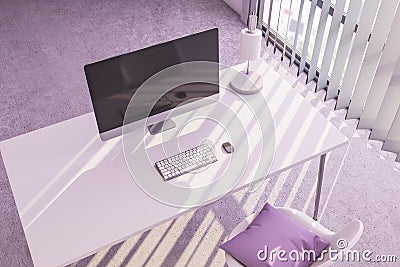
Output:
x=75 y=195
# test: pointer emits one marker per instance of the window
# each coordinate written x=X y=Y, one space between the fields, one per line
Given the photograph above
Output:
x=284 y=20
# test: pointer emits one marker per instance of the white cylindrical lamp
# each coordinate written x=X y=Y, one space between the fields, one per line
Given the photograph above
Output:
x=249 y=82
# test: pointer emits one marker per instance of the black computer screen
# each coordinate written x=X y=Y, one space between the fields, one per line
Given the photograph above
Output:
x=112 y=82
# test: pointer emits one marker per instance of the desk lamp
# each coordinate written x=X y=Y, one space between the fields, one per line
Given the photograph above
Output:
x=249 y=82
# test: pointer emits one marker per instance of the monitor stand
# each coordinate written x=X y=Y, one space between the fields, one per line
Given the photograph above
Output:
x=161 y=126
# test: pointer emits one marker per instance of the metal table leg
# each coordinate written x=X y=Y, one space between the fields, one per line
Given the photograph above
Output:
x=319 y=184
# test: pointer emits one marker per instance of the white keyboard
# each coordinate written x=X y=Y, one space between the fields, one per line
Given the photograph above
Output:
x=185 y=162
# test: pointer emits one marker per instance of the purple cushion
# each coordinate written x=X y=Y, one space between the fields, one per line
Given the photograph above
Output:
x=274 y=230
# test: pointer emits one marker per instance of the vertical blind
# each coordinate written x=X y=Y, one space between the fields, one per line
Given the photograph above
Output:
x=372 y=57
x=346 y=40
x=296 y=37
x=318 y=40
x=382 y=78
x=360 y=57
x=308 y=35
x=357 y=52
x=388 y=109
x=330 y=43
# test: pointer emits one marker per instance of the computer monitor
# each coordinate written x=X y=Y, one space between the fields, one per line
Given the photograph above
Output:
x=112 y=82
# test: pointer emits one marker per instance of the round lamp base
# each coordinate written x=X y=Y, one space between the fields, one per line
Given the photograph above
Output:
x=247 y=84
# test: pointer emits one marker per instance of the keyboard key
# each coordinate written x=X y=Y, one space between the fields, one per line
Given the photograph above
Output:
x=185 y=162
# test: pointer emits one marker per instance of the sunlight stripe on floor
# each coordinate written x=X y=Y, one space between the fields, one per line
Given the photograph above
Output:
x=335 y=181
x=273 y=196
x=297 y=184
x=125 y=249
x=310 y=197
x=168 y=242
x=98 y=257
x=151 y=241
x=190 y=249
x=207 y=245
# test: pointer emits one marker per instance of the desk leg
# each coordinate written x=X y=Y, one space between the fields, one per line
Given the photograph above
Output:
x=319 y=184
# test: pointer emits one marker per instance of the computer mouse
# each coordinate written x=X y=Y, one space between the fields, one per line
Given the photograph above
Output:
x=228 y=147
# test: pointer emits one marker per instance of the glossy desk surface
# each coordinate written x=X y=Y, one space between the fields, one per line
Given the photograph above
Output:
x=75 y=194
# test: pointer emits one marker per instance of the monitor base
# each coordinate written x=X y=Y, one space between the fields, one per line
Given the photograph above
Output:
x=161 y=126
